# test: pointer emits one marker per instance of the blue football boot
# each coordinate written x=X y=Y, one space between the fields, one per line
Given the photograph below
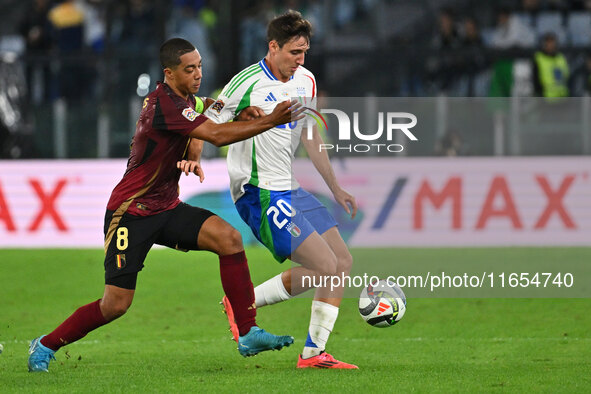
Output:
x=39 y=356
x=258 y=340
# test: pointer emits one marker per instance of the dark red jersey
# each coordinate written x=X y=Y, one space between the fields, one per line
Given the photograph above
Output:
x=150 y=183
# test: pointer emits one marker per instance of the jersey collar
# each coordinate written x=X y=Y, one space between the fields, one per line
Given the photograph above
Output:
x=268 y=72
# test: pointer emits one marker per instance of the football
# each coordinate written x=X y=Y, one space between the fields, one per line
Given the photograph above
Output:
x=382 y=305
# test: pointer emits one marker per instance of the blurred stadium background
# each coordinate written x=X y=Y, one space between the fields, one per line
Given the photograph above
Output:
x=74 y=72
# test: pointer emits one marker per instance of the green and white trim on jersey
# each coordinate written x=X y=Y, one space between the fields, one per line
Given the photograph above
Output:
x=264 y=160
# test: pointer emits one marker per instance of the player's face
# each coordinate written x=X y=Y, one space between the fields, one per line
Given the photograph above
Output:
x=186 y=77
x=288 y=58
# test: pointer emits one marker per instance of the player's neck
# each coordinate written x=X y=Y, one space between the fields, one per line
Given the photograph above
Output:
x=176 y=90
x=274 y=70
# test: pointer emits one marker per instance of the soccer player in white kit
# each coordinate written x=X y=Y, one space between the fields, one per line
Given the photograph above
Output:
x=288 y=220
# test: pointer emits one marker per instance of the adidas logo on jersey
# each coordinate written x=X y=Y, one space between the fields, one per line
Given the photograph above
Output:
x=270 y=97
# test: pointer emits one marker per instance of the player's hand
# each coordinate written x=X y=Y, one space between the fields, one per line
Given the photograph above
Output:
x=190 y=166
x=347 y=201
x=287 y=111
x=250 y=113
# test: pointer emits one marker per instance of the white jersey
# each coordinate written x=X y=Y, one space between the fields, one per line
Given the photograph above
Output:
x=265 y=160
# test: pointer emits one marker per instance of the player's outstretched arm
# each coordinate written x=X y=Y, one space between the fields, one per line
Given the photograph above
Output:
x=227 y=133
x=250 y=113
x=320 y=159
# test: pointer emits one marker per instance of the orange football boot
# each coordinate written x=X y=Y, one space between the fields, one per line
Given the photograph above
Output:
x=230 y=315
x=323 y=360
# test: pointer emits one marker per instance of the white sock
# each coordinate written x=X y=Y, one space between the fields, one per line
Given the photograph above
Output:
x=270 y=292
x=321 y=324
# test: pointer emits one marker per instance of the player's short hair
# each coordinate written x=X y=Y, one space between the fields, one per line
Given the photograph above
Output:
x=287 y=26
x=172 y=50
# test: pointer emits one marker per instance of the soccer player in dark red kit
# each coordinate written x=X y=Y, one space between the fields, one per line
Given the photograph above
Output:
x=145 y=209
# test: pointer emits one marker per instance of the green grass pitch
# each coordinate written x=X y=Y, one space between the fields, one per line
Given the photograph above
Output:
x=175 y=339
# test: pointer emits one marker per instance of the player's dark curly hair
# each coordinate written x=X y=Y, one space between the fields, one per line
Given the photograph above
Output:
x=172 y=50
x=287 y=26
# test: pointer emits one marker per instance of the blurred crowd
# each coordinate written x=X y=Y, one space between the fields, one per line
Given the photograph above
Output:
x=540 y=48
x=99 y=56
x=84 y=58
x=473 y=52
x=75 y=33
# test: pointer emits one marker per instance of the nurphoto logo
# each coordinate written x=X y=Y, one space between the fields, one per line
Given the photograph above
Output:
x=352 y=139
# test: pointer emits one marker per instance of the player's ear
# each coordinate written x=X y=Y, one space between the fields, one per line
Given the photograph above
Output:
x=273 y=46
x=168 y=73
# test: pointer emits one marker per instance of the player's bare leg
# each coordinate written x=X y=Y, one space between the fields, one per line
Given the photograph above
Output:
x=115 y=302
x=344 y=263
x=218 y=236
x=320 y=257
x=317 y=261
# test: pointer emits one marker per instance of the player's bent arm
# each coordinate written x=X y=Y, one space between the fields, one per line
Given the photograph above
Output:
x=320 y=159
x=195 y=149
x=227 y=133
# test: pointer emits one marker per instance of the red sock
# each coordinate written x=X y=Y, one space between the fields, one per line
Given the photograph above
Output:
x=238 y=288
x=84 y=320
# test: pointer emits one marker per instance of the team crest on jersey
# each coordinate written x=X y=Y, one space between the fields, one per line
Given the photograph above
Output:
x=301 y=91
x=121 y=263
x=294 y=230
x=218 y=106
x=190 y=113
